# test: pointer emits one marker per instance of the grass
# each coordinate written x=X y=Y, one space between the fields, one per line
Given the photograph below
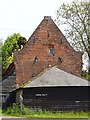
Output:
x=0 y=111
x=16 y=110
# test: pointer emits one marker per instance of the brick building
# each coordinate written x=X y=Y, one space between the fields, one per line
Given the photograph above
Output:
x=46 y=73
x=46 y=47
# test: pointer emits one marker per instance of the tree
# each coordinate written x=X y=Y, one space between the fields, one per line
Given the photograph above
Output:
x=0 y=59
x=77 y=18
x=11 y=44
x=21 y=42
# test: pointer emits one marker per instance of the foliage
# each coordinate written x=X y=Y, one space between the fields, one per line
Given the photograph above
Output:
x=0 y=59
x=11 y=44
x=0 y=111
x=86 y=75
x=16 y=110
x=7 y=62
x=21 y=42
x=77 y=18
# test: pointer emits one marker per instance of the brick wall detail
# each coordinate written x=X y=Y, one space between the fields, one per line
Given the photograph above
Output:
x=35 y=56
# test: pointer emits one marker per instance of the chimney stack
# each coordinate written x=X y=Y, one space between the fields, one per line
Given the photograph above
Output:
x=47 y=17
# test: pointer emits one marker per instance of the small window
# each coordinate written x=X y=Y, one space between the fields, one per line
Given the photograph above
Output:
x=51 y=51
x=60 y=59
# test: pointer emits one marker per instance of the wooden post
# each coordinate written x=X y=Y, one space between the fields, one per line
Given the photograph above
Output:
x=19 y=98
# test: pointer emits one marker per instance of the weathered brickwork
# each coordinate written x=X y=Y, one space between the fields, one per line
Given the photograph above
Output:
x=46 y=47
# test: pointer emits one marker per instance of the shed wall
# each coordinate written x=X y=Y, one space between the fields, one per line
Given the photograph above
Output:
x=57 y=98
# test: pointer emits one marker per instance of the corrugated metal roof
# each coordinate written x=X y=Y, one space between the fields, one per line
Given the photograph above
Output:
x=57 y=77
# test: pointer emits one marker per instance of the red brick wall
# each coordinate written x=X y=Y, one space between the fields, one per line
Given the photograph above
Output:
x=46 y=35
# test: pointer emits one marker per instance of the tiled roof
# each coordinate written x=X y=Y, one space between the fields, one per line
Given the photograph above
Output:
x=57 y=77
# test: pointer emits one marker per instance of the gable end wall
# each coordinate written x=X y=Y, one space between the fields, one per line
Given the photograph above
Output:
x=45 y=36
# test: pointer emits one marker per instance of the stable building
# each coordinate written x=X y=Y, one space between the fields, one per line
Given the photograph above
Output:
x=46 y=73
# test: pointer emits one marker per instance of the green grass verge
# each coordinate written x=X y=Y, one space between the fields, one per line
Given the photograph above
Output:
x=16 y=110
x=0 y=111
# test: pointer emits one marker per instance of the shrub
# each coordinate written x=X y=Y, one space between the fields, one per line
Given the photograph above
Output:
x=17 y=110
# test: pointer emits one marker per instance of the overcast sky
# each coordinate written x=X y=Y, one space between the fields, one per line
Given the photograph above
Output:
x=23 y=16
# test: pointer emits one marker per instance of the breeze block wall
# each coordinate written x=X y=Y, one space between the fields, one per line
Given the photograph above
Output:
x=46 y=47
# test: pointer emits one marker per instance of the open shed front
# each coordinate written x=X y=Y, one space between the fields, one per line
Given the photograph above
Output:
x=62 y=98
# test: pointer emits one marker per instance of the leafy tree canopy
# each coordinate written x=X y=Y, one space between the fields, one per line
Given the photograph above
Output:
x=11 y=44
x=76 y=17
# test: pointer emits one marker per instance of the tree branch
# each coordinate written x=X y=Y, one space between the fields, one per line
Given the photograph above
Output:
x=80 y=36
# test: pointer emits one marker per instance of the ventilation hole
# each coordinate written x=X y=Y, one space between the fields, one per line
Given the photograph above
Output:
x=61 y=40
x=60 y=59
x=33 y=40
x=33 y=74
x=35 y=60
x=47 y=34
